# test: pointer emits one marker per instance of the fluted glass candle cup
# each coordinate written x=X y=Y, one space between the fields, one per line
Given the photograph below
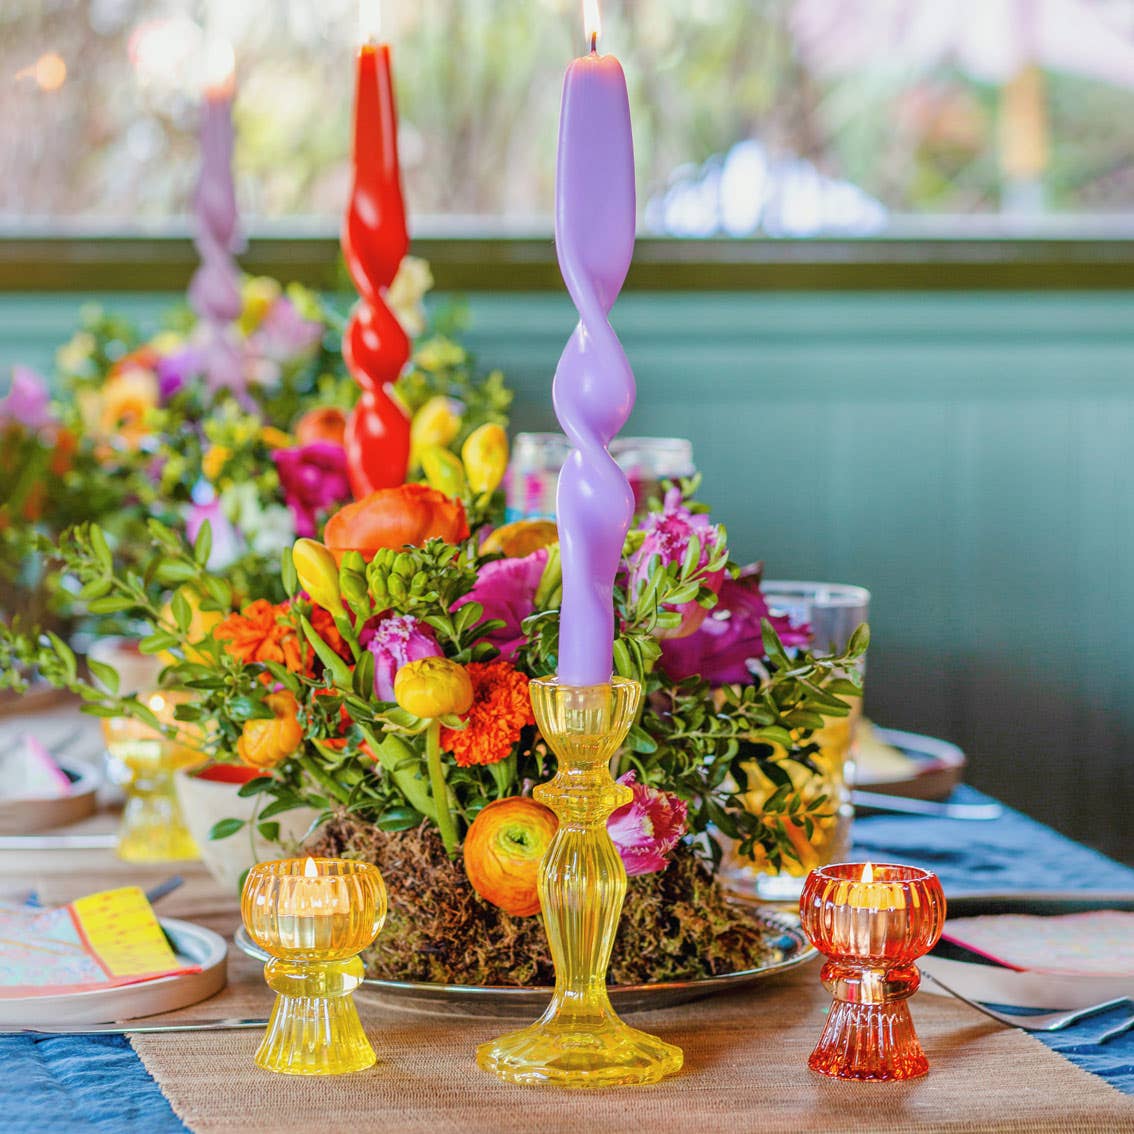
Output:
x=872 y=923
x=314 y=916
x=579 y=1041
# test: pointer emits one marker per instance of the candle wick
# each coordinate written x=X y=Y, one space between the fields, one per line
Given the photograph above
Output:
x=594 y=43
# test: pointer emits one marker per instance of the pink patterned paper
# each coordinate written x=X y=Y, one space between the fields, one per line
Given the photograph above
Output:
x=1098 y=943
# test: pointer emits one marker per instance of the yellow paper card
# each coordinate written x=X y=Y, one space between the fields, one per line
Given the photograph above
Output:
x=121 y=929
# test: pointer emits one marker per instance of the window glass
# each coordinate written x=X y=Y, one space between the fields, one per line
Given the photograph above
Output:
x=752 y=117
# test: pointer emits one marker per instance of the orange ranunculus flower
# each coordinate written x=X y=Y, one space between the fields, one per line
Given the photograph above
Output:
x=500 y=710
x=325 y=423
x=394 y=517
x=124 y=402
x=520 y=538
x=260 y=634
x=265 y=743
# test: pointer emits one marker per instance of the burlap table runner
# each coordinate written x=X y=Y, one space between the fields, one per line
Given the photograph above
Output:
x=745 y=1065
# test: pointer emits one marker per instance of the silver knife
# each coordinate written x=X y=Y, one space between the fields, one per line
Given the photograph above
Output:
x=122 y=1028
x=877 y=801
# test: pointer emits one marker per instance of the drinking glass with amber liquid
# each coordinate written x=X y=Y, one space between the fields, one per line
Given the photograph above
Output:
x=833 y=611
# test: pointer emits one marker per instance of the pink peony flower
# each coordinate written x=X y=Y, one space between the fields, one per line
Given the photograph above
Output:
x=28 y=402
x=506 y=589
x=667 y=537
x=725 y=641
x=314 y=480
x=395 y=640
x=647 y=828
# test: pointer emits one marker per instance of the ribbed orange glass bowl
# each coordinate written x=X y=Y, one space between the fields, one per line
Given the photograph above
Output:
x=314 y=916
x=872 y=923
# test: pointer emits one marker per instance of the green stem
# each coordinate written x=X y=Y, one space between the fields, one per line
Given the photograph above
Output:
x=439 y=788
x=398 y=760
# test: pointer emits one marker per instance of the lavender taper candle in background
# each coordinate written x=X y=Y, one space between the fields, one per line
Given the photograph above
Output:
x=594 y=385
x=214 y=292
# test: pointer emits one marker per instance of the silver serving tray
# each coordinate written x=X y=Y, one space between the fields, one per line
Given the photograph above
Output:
x=190 y=942
x=792 y=949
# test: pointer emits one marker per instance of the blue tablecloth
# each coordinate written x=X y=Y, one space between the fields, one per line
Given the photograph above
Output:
x=97 y=1084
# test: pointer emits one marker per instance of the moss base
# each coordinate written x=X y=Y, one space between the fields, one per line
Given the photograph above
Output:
x=676 y=925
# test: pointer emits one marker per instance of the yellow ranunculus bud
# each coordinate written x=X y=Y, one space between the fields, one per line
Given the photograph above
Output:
x=443 y=470
x=258 y=295
x=435 y=424
x=318 y=573
x=214 y=460
x=275 y=438
x=485 y=454
x=433 y=687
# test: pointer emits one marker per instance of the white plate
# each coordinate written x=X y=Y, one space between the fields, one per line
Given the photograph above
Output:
x=191 y=942
x=996 y=984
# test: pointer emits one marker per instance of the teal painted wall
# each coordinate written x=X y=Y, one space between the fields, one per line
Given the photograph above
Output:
x=968 y=457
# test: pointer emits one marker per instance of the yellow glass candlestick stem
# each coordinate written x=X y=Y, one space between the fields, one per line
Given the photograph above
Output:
x=579 y=1041
x=314 y=917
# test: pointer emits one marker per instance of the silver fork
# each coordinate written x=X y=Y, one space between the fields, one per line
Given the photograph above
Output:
x=1044 y=1021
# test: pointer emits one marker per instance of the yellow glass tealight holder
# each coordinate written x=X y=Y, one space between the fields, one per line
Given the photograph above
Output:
x=579 y=1041
x=314 y=916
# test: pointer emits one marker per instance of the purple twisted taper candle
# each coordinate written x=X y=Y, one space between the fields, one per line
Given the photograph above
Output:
x=594 y=385
x=214 y=292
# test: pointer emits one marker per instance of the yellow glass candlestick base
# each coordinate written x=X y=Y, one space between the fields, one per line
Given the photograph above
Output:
x=579 y=1041
x=315 y=1029
x=143 y=764
x=314 y=916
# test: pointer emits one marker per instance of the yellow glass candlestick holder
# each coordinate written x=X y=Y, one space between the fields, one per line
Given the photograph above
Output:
x=314 y=917
x=142 y=762
x=579 y=1041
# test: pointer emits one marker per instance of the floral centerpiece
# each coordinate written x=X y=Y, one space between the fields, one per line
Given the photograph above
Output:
x=384 y=685
x=138 y=432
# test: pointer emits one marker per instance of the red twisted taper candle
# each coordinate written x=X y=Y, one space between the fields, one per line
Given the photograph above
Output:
x=375 y=240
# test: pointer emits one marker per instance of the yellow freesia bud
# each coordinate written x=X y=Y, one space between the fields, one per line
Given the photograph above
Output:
x=485 y=453
x=434 y=425
x=258 y=295
x=443 y=470
x=433 y=687
x=214 y=460
x=275 y=438
x=439 y=353
x=318 y=573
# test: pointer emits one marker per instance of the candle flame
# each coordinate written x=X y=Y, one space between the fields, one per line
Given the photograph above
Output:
x=220 y=63
x=48 y=72
x=592 y=22
x=369 y=20
x=310 y=869
x=868 y=873
x=156 y=703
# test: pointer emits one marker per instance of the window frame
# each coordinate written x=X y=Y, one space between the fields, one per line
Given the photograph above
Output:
x=119 y=262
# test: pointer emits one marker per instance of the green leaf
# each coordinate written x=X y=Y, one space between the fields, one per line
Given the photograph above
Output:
x=101 y=548
x=257 y=786
x=225 y=828
x=288 y=575
x=182 y=611
x=104 y=674
x=269 y=831
x=859 y=641
x=203 y=544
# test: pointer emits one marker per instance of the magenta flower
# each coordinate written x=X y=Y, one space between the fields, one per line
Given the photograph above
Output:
x=314 y=480
x=506 y=589
x=395 y=640
x=647 y=828
x=667 y=539
x=28 y=402
x=176 y=370
x=722 y=645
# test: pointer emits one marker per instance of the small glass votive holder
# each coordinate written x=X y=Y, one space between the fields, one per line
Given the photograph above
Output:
x=871 y=922
x=314 y=916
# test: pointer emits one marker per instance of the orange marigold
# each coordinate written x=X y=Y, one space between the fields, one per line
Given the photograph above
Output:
x=260 y=633
x=501 y=708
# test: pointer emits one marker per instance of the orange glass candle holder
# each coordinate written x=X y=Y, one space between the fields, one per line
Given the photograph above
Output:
x=314 y=916
x=872 y=923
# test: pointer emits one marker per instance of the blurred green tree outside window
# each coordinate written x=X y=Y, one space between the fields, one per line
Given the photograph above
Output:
x=752 y=117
